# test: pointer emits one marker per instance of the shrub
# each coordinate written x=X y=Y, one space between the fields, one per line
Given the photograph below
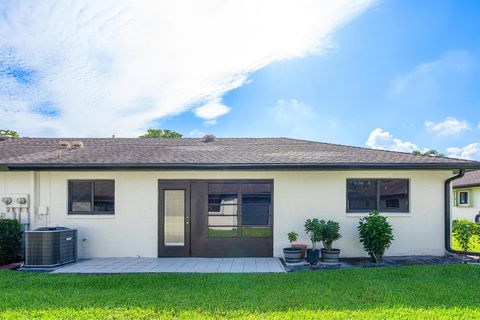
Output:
x=10 y=241
x=329 y=232
x=463 y=230
x=376 y=235
x=312 y=228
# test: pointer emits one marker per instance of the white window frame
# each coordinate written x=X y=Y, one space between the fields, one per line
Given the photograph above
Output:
x=457 y=200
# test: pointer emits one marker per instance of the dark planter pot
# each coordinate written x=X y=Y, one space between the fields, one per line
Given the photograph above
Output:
x=330 y=256
x=301 y=246
x=313 y=256
x=292 y=255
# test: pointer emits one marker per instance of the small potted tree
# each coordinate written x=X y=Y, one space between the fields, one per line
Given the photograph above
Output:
x=293 y=237
x=329 y=232
x=292 y=254
x=376 y=235
x=312 y=228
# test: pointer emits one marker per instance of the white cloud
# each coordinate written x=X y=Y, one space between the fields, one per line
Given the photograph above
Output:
x=114 y=66
x=447 y=127
x=384 y=140
x=470 y=152
x=211 y=111
x=195 y=133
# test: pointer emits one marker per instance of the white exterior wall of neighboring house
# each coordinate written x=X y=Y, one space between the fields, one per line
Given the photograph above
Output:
x=298 y=195
x=466 y=211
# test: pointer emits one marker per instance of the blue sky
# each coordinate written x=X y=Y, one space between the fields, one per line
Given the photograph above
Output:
x=390 y=74
x=355 y=87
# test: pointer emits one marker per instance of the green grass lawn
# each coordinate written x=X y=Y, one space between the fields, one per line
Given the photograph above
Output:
x=474 y=244
x=418 y=292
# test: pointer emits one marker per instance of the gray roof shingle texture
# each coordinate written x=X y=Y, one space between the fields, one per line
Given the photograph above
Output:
x=471 y=178
x=221 y=151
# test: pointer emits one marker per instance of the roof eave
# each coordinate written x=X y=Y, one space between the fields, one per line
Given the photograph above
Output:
x=468 y=185
x=243 y=166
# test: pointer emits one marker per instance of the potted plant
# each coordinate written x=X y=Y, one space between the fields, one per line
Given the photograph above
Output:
x=329 y=232
x=312 y=228
x=292 y=254
x=293 y=237
x=376 y=235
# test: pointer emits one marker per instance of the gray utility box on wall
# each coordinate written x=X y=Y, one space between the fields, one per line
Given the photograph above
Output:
x=50 y=247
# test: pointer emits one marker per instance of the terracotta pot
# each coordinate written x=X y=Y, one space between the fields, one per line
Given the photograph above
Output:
x=301 y=246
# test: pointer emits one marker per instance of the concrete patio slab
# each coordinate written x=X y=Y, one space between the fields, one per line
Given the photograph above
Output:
x=178 y=265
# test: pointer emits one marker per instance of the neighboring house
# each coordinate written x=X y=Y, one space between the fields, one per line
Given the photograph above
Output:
x=222 y=197
x=466 y=196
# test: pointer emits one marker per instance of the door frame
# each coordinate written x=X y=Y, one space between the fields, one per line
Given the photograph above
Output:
x=193 y=229
x=174 y=251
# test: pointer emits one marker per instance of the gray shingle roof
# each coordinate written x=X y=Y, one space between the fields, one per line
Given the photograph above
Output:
x=470 y=179
x=195 y=153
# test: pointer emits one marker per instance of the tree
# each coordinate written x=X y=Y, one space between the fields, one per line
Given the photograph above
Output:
x=430 y=153
x=11 y=133
x=161 y=133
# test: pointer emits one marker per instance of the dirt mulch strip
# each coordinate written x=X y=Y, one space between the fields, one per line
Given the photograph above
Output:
x=11 y=266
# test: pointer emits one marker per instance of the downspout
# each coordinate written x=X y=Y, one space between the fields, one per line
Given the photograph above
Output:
x=448 y=217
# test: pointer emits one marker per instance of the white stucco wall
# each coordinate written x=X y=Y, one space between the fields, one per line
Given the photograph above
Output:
x=470 y=211
x=12 y=183
x=298 y=195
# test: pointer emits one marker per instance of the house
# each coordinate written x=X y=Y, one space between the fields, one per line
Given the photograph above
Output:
x=222 y=197
x=466 y=192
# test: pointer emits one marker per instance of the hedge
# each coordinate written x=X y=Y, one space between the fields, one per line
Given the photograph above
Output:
x=10 y=241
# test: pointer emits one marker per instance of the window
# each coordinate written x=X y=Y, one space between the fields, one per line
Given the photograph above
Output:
x=91 y=197
x=174 y=224
x=388 y=195
x=239 y=210
x=463 y=198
